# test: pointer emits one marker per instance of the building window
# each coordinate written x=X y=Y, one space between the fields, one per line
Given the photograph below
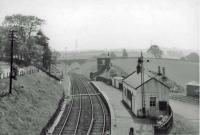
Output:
x=152 y=101
x=129 y=95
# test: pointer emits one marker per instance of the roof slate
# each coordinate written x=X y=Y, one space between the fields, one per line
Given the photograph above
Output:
x=134 y=80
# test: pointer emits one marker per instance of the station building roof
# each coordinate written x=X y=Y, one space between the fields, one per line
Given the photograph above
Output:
x=134 y=80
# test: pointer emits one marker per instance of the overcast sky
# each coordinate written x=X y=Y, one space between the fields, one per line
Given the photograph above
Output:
x=109 y=24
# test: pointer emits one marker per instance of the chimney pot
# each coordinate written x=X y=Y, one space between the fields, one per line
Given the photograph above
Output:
x=159 y=72
x=163 y=70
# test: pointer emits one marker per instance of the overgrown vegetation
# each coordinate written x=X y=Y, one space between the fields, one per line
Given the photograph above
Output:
x=31 y=44
x=33 y=102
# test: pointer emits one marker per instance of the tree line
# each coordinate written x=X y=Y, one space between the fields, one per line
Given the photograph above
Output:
x=31 y=45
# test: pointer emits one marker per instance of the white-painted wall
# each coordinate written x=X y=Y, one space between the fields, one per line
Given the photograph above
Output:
x=152 y=89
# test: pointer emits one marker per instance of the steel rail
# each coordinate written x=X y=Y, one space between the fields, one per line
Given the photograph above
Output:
x=67 y=118
x=102 y=108
x=83 y=89
x=91 y=103
x=92 y=107
x=79 y=115
x=72 y=102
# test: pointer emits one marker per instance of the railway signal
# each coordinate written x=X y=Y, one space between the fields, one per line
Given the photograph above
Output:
x=140 y=69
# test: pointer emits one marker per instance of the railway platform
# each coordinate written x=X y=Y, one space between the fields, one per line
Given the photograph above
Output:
x=121 y=119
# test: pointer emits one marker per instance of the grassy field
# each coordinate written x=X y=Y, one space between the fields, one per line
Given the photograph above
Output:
x=179 y=71
x=28 y=109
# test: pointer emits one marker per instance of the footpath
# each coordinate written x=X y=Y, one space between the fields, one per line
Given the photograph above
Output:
x=121 y=119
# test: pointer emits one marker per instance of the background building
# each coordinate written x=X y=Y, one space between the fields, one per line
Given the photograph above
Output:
x=192 y=89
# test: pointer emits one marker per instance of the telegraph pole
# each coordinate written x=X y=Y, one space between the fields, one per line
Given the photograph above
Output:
x=11 y=59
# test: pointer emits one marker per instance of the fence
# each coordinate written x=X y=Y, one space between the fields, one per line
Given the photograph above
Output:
x=165 y=126
x=21 y=72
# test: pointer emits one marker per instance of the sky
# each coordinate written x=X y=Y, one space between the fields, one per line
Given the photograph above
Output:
x=113 y=24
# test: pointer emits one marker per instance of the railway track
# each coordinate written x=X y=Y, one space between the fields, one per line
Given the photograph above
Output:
x=86 y=114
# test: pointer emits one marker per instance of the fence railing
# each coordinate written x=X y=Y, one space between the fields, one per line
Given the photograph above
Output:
x=54 y=74
x=166 y=125
x=21 y=72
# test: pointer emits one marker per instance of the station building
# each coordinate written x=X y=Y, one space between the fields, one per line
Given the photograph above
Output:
x=147 y=99
x=103 y=63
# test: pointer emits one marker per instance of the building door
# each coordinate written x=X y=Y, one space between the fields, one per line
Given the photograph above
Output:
x=133 y=103
x=129 y=96
x=152 y=111
x=120 y=86
x=163 y=105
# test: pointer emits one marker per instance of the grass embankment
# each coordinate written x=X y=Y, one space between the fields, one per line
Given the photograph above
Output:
x=33 y=102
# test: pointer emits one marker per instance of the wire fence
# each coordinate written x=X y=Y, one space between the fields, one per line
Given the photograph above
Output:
x=21 y=72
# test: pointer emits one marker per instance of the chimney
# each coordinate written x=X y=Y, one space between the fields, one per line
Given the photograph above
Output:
x=138 y=69
x=163 y=72
x=159 y=72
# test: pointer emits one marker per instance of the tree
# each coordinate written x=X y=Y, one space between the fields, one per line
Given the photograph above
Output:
x=155 y=51
x=112 y=55
x=42 y=40
x=55 y=56
x=4 y=41
x=194 y=57
x=124 y=53
x=26 y=27
x=47 y=58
